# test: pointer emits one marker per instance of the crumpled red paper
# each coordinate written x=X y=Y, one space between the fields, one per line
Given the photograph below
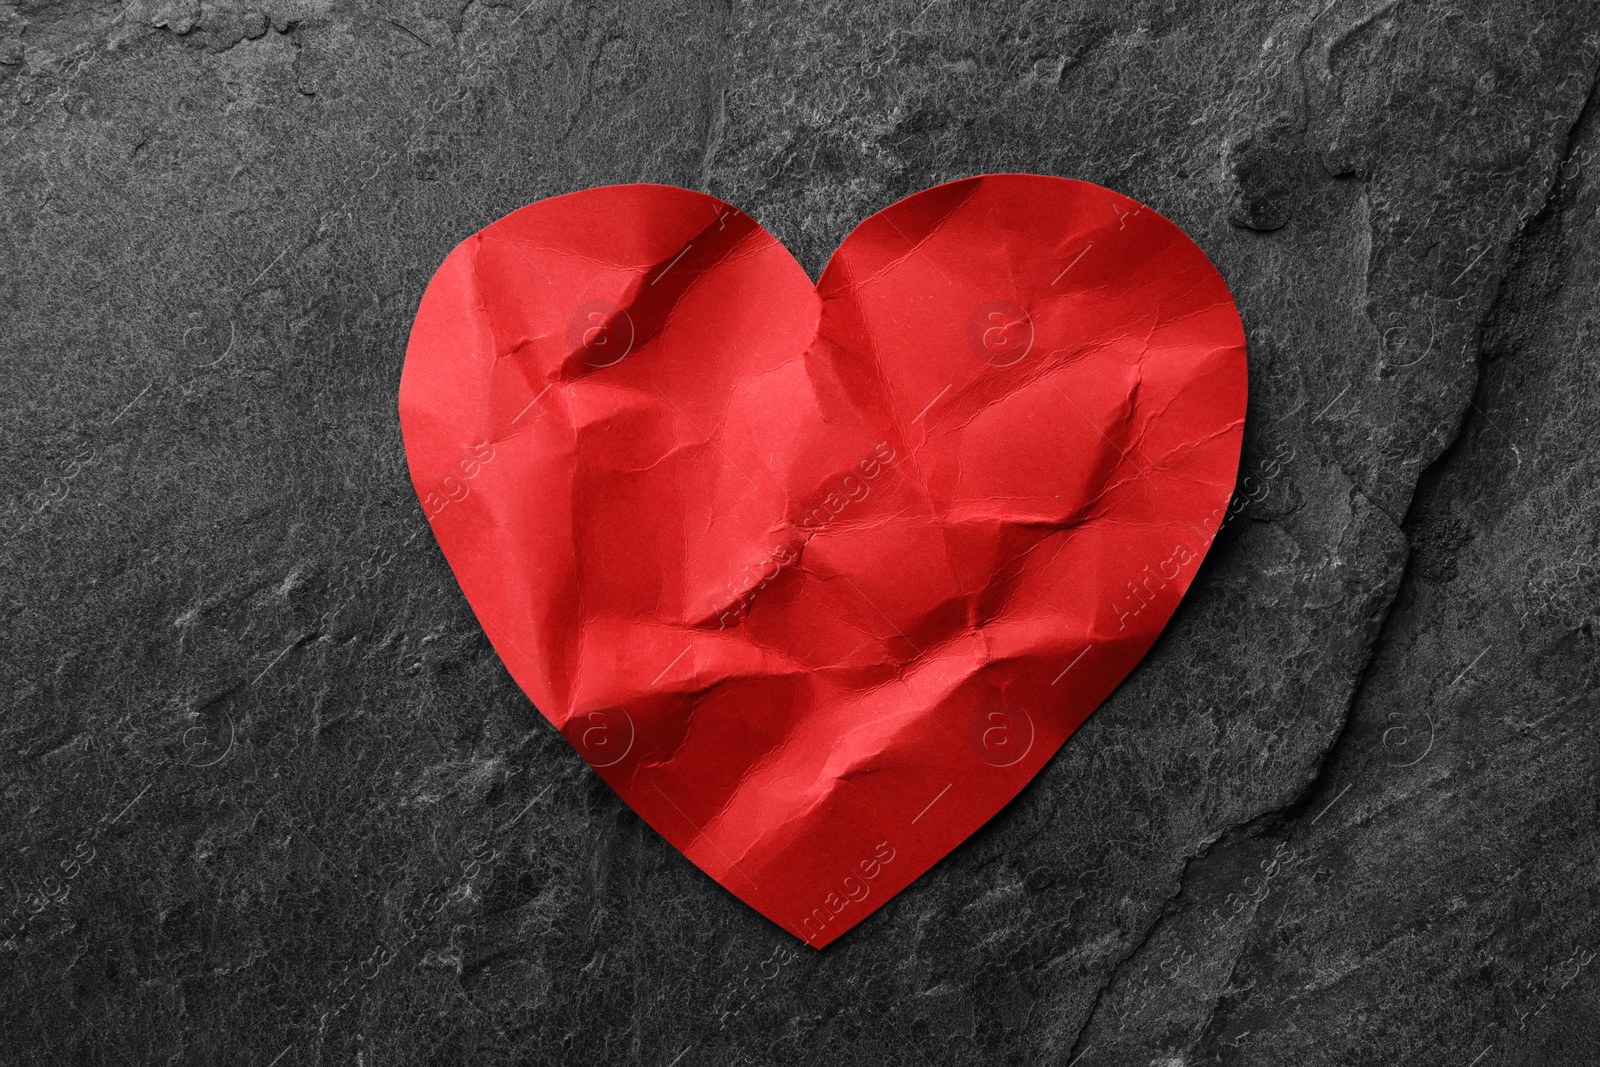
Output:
x=818 y=577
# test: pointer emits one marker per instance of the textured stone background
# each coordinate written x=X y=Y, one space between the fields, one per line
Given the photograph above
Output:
x=1346 y=812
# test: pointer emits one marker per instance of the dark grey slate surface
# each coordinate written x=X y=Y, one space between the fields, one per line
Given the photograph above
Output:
x=268 y=797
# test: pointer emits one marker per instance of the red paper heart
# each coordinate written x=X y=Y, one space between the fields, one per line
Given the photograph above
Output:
x=817 y=578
